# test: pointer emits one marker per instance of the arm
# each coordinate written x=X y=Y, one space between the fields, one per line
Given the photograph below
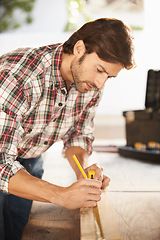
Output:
x=82 y=157
x=78 y=141
x=15 y=180
x=79 y=194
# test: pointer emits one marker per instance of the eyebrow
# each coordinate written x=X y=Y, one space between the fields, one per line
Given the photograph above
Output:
x=105 y=70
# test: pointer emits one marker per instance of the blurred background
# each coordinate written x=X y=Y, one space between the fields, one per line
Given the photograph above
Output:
x=33 y=23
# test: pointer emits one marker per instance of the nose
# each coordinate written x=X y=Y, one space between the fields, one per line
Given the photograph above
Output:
x=100 y=82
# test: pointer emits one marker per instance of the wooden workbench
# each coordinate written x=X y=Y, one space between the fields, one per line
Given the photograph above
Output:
x=49 y=222
x=134 y=194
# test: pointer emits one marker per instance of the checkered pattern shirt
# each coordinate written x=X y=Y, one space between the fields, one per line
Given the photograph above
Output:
x=36 y=110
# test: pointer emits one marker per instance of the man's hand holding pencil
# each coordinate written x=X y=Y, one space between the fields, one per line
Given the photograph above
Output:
x=81 y=194
x=98 y=173
x=85 y=192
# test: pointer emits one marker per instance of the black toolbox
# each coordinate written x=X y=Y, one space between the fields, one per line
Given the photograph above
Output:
x=143 y=126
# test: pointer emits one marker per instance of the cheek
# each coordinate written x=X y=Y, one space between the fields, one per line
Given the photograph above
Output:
x=91 y=74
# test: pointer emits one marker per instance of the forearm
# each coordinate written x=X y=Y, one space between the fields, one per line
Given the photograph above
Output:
x=81 y=155
x=79 y=194
x=24 y=185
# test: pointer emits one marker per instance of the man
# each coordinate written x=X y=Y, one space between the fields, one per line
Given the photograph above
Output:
x=47 y=94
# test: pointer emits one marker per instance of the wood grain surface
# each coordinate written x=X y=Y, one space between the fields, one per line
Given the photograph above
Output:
x=49 y=222
x=134 y=194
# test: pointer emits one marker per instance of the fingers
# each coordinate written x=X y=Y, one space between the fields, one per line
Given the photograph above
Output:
x=83 y=193
x=105 y=182
x=92 y=187
x=91 y=183
x=92 y=193
x=98 y=171
x=99 y=175
x=90 y=204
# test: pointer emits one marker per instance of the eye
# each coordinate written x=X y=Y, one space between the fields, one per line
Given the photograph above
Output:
x=100 y=71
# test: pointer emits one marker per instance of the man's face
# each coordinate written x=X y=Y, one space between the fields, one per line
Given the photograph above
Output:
x=89 y=72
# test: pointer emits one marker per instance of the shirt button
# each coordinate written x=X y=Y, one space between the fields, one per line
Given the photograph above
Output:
x=29 y=130
x=60 y=104
x=63 y=91
x=46 y=142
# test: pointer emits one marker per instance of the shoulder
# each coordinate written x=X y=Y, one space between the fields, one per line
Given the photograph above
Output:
x=22 y=77
x=27 y=58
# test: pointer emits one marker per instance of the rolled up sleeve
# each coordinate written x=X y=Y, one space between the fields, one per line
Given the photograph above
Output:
x=8 y=167
x=10 y=136
x=81 y=133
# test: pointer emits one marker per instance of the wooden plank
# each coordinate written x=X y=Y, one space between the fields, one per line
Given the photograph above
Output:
x=110 y=228
x=137 y=214
x=132 y=216
x=129 y=174
x=87 y=224
x=50 y=222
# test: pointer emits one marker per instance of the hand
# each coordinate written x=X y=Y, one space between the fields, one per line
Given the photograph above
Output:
x=99 y=175
x=81 y=194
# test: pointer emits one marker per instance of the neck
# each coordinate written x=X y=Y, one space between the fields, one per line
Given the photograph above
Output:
x=65 y=69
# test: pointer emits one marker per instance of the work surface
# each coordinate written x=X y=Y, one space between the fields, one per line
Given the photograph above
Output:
x=134 y=194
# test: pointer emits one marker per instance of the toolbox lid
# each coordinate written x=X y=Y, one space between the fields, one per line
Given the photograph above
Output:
x=153 y=90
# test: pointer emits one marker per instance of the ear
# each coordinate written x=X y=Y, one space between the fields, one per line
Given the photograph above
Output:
x=79 y=48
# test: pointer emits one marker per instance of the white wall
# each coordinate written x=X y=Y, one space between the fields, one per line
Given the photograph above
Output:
x=125 y=92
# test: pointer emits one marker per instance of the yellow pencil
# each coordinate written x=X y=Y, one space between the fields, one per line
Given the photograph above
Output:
x=79 y=166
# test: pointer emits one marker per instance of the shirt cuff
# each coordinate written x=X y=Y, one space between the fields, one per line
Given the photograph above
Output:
x=83 y=142
x=6 y=172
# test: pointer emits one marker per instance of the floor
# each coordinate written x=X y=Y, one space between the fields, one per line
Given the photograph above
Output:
x=134 y=191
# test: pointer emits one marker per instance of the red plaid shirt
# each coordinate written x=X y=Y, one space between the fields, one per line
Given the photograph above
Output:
x=36 y=110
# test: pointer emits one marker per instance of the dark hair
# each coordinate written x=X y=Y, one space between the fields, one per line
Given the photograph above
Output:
x=110 y=38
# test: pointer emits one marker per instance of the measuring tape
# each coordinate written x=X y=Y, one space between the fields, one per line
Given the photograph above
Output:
x=91 y=174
